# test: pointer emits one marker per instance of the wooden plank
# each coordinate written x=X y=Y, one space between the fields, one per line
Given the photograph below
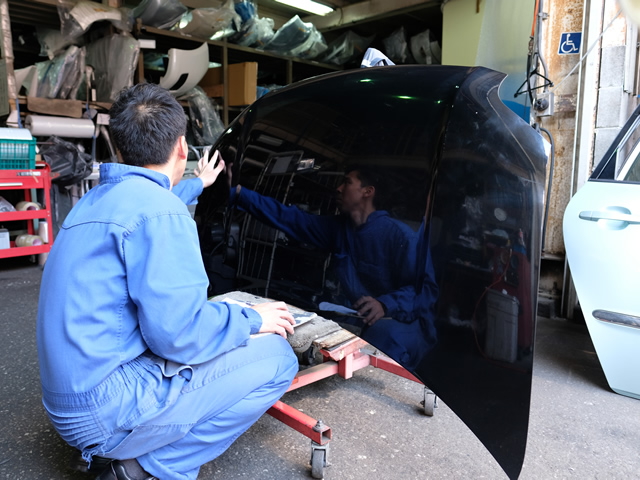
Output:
x=334 y=339
x=61 y=108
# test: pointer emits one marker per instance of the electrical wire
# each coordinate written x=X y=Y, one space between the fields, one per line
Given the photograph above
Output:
x=534 y=58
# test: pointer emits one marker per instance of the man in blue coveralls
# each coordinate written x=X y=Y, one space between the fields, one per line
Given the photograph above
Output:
x=136 y=365
x=375 y=258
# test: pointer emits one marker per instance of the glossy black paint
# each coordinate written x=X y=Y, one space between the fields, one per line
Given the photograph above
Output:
x=461 y=170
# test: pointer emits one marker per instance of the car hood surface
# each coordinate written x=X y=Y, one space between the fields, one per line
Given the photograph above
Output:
x=459 y=173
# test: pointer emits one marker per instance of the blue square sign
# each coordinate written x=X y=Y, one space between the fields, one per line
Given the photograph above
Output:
x=570 y=43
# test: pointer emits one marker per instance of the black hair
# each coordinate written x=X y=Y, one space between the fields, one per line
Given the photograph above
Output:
x=146 y=121
x=370 y=177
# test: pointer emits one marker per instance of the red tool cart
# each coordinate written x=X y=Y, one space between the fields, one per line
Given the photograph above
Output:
x=25 y=180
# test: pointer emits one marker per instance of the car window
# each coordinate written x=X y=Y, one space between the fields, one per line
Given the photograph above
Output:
x=621 y=162
x=629 y=157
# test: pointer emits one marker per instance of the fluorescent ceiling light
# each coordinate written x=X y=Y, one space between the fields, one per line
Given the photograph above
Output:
x=308 y=6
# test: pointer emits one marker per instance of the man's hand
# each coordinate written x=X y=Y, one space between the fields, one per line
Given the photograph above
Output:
x=370 y=309
x=205 y=170
x=275 y=318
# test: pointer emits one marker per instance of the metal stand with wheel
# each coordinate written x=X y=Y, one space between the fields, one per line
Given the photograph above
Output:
x=343 y=355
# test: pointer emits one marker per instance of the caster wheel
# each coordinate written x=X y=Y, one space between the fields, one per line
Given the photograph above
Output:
x=317 y=464
x=430 y=402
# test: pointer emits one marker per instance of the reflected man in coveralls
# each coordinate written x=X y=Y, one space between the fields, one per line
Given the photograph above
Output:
x=375 y=258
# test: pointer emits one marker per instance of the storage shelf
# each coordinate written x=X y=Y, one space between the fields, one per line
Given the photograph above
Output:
x=25 y=215
x=274 y=68
x=25 y=180
x=238 y=50
x=22 y=251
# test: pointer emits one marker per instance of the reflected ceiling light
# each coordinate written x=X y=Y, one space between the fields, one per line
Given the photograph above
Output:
x=308 y=6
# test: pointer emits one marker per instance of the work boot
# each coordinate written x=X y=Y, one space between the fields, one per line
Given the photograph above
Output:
x=117 y=470
x=98 y=464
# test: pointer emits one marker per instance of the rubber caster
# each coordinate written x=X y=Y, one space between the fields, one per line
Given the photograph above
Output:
x=317 y=463
x=319 y=459
x=430 y=402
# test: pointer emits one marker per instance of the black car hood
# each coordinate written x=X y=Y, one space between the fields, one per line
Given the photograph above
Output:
x=460 y=170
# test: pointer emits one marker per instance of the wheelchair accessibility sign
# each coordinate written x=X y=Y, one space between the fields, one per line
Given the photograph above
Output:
x=570 y=43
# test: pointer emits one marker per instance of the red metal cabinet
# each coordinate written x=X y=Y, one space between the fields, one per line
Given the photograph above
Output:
x=25 y=180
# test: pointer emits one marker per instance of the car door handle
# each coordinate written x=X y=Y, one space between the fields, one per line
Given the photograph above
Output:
x=595 y=215
x=617 y=318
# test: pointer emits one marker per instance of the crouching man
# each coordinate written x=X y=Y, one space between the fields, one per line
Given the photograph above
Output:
x=136 y=365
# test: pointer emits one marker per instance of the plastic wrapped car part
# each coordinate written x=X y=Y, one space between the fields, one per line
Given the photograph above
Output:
x=185 y=69
x=297 y=38
x=289 y=36
x=313 y=46
x=425 y=50
x=51 y=42
x=76 y=18
x=246 y=9
x=114 y=59
x=59 y=76
x=395 y=46
x=205 y=121
x=256 y=32
x=347 y=47
x=375 y=58
x=207 y=22
x=28 y=78
x=160 y=13
x=72 y=80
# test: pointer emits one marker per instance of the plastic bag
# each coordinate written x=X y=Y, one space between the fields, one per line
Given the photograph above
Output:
x=346 y=48
x=205 y=121
x=246 y=9
x=76 y=18
x=256 y=32
x=424 y=50
x=67 y=160
x=207 y=22
x=51 y=42
x=395 y=46
x=59 y=76
x=375 y=58
x=297 y=38
x=114 y=60
x=160 y=13
x=312 y=47
x=5 y=206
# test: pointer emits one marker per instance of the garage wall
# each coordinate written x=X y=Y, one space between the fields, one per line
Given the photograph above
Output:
x=493 y=34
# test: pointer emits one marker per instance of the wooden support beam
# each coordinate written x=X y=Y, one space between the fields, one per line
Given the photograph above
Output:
x=363 y=12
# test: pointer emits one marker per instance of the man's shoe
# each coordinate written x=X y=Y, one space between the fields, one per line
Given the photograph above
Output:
x=117 y=471
x=98 y=464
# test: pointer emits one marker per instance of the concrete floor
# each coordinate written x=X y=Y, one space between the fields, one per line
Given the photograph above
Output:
x=579 y=428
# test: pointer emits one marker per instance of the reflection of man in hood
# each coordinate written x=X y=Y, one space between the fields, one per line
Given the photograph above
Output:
x=384 y=266
x=356 y=198
x=373 y=254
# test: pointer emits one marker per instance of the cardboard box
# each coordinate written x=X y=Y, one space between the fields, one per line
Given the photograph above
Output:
x=242 y=83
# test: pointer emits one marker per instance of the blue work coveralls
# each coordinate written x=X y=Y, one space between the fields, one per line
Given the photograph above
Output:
x=134 y=361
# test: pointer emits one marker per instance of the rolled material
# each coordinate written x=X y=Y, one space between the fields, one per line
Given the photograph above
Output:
x=43 y=231
x=24 y=206
x=28 y=241
x=41 y=125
